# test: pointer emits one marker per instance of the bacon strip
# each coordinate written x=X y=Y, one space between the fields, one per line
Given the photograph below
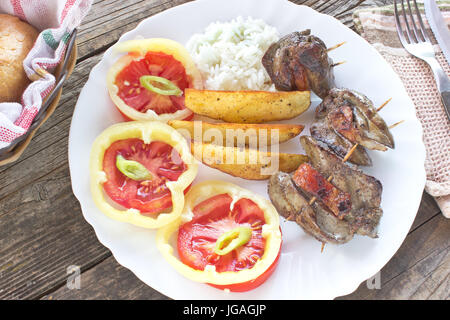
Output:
x=310 y=180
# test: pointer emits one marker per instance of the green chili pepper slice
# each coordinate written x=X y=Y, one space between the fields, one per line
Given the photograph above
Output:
x=133 y=169
x=166 y=88
x=232 y=239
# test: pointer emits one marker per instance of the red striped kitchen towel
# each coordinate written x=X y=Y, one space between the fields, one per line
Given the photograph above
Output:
x=55 y=19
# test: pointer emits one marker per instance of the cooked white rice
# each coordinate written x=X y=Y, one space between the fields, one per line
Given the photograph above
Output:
x=229 y=54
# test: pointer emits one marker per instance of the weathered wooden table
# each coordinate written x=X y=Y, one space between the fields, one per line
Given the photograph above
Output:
x=43 y=233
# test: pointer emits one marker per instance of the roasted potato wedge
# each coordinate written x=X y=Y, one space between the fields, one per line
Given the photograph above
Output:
x=246 y=163
x=237 y=134
x=247 y=106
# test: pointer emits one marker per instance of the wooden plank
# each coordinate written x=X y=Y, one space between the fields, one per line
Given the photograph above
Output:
x=427 y=210
x=107 y=280
x=342 y=10
x=42 y=230
x=108 y=20
x=43 y=235
x=420 y=268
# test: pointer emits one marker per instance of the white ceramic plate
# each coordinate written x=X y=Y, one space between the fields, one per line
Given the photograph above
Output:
x=303 y=271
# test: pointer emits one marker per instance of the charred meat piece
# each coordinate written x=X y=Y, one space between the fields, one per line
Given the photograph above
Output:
x=365 y=221
x=299 y=61
x=352 y=117
x=338 y=144
x=338 y=230
x=314 y=219
x=292 y=195
x=311 y=181
x=341 y=120
x=365 y=191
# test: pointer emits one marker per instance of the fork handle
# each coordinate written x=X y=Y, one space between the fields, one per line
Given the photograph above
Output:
x=446 y=101
x=442 y=81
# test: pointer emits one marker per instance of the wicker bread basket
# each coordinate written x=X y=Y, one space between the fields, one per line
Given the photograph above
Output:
x=62 y=72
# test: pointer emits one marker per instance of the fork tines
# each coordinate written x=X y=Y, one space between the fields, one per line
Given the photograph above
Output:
x=415 y=32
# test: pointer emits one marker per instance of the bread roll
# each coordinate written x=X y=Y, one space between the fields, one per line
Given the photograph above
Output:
x=16 y=40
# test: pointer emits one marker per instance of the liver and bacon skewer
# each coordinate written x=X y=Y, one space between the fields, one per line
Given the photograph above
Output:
x=346 y=123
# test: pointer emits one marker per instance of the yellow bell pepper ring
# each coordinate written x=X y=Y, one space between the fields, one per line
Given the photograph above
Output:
x=221 y=220
x=142 y=134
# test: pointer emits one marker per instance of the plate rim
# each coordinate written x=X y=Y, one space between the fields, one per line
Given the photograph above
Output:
x=351 y=287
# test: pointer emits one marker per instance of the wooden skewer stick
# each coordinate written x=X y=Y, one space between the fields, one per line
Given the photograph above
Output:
x=396 y=124
x=336 y=46
x=349 y=153
x=384 y=104
x=338 y=63
x=323 y=246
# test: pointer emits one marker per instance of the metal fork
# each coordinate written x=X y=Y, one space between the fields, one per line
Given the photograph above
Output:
x=416 y=41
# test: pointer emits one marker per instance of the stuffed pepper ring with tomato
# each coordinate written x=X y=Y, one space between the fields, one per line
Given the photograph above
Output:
x=148 y=82
x=227 y=237
x=139 y=172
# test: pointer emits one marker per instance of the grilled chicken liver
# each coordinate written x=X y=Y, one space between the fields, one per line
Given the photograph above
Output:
x=299 y=61
x=346 y=117
x=317 y=219
x=314 y=183
x=365 y=191
x=314 y=219
x=338 y=144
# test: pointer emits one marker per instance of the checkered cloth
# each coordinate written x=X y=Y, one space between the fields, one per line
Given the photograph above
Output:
x=55 y=19
x=377 y=25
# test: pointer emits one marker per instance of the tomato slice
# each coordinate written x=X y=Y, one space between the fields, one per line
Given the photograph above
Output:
x=162 y=151
x=156 y=64
x=212 y=218
x=148 y=196
x=213 y=209
x=251 y=284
